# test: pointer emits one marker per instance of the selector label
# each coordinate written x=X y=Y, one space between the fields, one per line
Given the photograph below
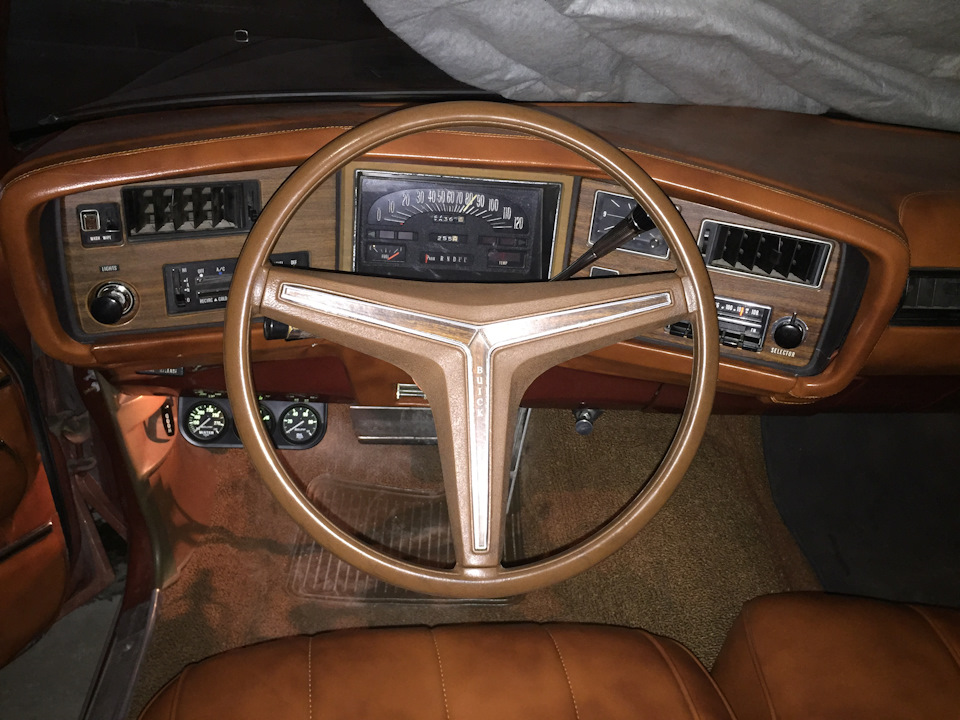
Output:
x=781 y=351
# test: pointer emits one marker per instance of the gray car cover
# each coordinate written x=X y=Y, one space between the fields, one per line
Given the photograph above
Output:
x=893 y=61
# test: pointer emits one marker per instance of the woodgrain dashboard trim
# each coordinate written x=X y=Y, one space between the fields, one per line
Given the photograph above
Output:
x=232 y=148
x=811 y=303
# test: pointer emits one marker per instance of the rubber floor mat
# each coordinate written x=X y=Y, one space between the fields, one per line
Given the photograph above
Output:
x=873 y=501
x=409 y=524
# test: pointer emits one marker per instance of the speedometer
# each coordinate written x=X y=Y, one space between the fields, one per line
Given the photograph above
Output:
x=446 y=228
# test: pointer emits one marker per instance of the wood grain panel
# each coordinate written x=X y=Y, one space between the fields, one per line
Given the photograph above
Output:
x=140 y=263
x=784 y=298
x=315 y=229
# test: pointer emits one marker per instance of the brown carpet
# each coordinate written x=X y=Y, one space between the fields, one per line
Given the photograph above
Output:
x=718 y=542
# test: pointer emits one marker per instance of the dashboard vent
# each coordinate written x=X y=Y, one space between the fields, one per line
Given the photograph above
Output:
x=161 y=211
x=762 y=252
x=931 y=297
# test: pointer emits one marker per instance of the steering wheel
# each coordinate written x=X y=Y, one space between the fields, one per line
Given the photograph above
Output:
x=473 y=349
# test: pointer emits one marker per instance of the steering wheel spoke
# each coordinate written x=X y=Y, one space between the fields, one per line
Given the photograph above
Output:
x=474 y=349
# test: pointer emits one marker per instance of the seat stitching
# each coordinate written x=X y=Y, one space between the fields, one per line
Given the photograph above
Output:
x=691 y=707
x=310 y=678
x=713 y=683
x=573 y=697
x=757 y=667
x=443 y=684
x=939 y=633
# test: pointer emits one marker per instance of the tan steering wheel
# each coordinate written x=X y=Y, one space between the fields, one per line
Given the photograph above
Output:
x=473 y=349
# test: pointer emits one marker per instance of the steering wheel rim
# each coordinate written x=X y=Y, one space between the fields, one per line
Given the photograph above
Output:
x=258 y=287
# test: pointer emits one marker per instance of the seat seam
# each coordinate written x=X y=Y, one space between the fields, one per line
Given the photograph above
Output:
x=691 y=707
x=713 y=683
x=757 y=667
x=443 y=684
x=566 y=675
x=954 y=654
x=310 y=678
x=175 y=707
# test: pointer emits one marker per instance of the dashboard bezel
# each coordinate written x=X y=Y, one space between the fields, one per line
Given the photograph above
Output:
x=545 y=207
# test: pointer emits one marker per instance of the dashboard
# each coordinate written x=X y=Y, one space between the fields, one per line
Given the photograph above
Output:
x=135 y=235
x=152 y=257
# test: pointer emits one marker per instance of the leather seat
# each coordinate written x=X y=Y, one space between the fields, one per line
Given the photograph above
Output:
x=462 y=672
x=808 y=655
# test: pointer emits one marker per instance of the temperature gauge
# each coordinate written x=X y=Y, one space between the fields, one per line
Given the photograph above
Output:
x=206 y=422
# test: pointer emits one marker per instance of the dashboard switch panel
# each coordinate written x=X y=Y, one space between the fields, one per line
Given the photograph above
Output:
x=195 y=286
x=99 y=224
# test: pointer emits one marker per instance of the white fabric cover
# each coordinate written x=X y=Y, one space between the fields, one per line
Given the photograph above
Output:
x=894 y=61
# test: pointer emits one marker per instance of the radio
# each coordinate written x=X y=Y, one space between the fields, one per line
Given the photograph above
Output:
x=203 y=285
x=742 y=324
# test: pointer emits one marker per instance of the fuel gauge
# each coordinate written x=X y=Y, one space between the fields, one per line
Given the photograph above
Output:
x=379 y=252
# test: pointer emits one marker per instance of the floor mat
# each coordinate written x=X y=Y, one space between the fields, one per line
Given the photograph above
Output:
x=873 y=501
x=410 y=524
x=718 y=541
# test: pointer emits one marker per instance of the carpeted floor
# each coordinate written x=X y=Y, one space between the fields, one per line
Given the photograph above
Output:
x=718 y=542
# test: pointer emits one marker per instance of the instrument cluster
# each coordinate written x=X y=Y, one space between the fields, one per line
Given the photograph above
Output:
x=431 y=227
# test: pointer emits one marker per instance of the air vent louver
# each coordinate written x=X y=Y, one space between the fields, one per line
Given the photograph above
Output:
x=931 y=297
x=161 y=211
x=764 y=253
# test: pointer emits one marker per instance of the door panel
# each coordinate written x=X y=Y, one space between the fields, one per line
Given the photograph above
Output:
x=33 y=556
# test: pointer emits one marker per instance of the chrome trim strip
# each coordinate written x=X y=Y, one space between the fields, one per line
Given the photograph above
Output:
x=25 y=541
x=477 y=343
x=410 y=390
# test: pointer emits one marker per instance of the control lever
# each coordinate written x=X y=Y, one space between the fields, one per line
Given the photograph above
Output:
x=276 y=330
x=637 y=221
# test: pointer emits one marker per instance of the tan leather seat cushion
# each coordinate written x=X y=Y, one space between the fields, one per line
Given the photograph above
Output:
x=494 y=672
x=807 y=655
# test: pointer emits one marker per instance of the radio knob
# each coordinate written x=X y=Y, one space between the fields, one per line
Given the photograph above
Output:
x=789 y=332
x=112 y=302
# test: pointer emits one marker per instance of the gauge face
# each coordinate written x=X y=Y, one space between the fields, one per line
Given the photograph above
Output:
x=608 y=210
x=269 y=421
x=206 y=422
x=444 y=228
x=300 y=424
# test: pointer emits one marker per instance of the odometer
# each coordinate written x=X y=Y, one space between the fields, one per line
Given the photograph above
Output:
x=445 y=228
